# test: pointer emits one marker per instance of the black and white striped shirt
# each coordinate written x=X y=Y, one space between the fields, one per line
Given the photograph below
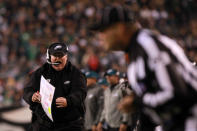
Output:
x=159 y=70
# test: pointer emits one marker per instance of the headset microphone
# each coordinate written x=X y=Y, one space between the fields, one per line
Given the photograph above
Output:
x=53 y=63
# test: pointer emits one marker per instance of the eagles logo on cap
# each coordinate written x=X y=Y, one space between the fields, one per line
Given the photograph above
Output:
x=58 y=48
x=110 y=72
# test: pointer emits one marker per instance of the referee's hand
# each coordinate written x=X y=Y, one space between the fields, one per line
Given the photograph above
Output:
x=100 y=127
x=36 y=97
x=61 y=102
x=126 y=104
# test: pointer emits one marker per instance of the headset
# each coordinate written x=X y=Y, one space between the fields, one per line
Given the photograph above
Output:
x=48 y=56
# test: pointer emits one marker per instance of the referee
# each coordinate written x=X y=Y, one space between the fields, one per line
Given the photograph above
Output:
x=162 y=77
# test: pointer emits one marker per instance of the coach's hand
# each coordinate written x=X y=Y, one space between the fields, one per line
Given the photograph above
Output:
x=61 y=102
x=36 y=97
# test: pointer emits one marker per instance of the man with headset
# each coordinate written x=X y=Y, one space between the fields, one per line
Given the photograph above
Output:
x=70 y=92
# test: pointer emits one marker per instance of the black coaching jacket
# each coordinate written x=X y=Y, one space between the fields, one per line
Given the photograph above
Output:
x=69 y=83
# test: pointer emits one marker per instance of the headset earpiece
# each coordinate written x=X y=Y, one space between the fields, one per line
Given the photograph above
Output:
x=48 y=55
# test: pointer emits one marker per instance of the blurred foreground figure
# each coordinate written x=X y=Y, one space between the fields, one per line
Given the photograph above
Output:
x=67 y=107
x=160 y=74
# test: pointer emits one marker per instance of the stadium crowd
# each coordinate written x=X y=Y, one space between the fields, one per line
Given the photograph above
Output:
x=27 y=27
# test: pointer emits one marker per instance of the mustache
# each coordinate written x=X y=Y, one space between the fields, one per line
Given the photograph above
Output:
x=57 y=63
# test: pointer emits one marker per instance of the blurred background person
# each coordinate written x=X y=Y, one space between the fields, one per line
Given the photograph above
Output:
x=93 y=101
x=115 y=120
x=102 y=82
x=125 y=107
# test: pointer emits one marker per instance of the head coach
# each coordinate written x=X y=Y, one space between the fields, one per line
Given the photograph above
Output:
x=70 y=91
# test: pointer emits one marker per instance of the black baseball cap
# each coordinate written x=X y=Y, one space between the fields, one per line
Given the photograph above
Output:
x=58 y=49
x=111 y=15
